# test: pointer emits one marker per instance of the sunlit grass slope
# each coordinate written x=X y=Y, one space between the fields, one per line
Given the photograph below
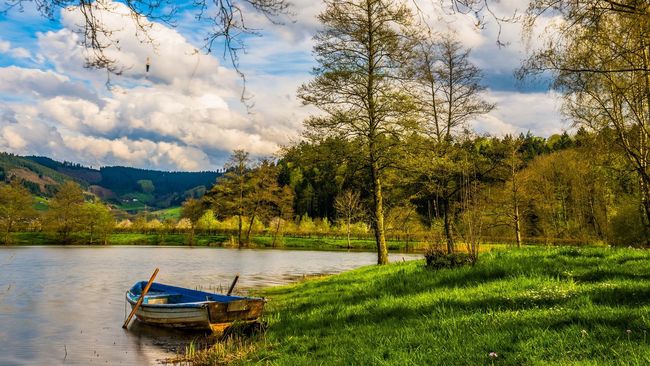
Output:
x=534 y=306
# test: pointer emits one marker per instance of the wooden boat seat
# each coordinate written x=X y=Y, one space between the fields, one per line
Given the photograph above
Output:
x=161 y=298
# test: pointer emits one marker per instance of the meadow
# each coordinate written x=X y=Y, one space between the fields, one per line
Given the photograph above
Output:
x=535 y=306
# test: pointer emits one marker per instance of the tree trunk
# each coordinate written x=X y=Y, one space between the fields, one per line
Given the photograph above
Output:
x=645 y=201
x=277 y=231
x=349 y=243
x=8 y=232
x=643 y=145
x=239 y=231
x=192 y=235
x=382 y=250
x=517 y=220
x=447 y=226
x=250 y=227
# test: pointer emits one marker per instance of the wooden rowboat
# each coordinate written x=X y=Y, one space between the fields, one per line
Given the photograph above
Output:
x=179 y=307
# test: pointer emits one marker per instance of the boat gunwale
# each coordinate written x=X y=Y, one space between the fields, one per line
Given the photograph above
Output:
x=132 y=297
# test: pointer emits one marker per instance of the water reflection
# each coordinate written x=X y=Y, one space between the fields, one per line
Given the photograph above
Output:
x=65 y=305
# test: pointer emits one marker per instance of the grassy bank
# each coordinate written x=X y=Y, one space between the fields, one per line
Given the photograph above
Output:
x=222 y=240
x=555 y=306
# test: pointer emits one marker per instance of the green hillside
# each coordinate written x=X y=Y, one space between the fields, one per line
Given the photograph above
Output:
x=39 y=179
x=168 y=213
x=129 y=189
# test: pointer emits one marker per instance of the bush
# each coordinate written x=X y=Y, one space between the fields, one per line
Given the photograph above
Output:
x=627 y=227
x=437 y=258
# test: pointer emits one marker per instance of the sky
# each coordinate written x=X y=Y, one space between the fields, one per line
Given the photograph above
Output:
x=185 y=113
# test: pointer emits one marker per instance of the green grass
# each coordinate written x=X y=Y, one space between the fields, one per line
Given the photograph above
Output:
x=131 y=206
x=537 y=306
x=40 y=238
x=163 y=239
x=41 y=203
x=313 y=243
x=326 y=243
x=168 y=213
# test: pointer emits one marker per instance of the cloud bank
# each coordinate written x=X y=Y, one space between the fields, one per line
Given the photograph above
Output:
x=185 y=113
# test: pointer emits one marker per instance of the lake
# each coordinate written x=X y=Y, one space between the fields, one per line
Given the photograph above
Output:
x=65 y=305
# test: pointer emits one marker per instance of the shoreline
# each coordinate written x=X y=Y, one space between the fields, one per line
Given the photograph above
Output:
x=214 y=241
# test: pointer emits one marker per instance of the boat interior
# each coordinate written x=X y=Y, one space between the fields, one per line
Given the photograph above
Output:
x=166 y=294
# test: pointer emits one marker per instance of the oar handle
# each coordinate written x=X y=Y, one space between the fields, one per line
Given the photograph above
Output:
x=232 y=286
x=137 y=304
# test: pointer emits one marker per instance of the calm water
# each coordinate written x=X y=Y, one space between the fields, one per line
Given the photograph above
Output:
x=65 y=305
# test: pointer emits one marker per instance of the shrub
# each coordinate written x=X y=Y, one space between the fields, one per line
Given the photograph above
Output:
x=437 y=258
x=627 y=227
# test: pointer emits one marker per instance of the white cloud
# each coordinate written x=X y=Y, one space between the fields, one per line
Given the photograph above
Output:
x=4 y=46
x=185 y=112
x=17 y=52
x=39 y=83
x=159 y=155
x=522 y=112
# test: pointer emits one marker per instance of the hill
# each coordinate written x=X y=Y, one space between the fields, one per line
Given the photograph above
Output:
x=130 y=189
x=38 y=178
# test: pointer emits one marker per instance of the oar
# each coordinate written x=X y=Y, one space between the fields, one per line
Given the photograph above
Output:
x=232 y=287
x=137 y=304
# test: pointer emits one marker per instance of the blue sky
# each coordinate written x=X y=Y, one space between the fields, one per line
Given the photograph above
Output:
x=185 y=113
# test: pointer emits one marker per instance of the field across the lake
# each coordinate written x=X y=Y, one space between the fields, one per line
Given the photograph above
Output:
x=225 y=240
x=534 y=306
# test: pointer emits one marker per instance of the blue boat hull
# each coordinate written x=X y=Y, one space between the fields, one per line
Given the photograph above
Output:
x=178 y=307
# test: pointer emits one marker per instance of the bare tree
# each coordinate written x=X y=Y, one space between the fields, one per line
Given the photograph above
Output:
x=449 y=93
x=360 y=54
x=225 y=19
x=448 y=86
x=348 y=208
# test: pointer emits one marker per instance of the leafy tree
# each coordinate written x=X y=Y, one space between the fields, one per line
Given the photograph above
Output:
x=283 y=209
x=97 y=220
x=192 y=211
x=306 y=225
x=405 y=221
x=15 y=208
x=230 y=195
x=438 y=173
x=568 y=197
x=207 y=221
x=265 y=194
x=505 y=204
x=140 y=223
x=146 y=186
x=66 y=214
x=317 y=169
x=360 y=53
x=600 y=59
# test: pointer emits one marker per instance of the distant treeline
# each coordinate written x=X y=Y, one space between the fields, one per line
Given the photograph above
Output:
x=124 y=179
